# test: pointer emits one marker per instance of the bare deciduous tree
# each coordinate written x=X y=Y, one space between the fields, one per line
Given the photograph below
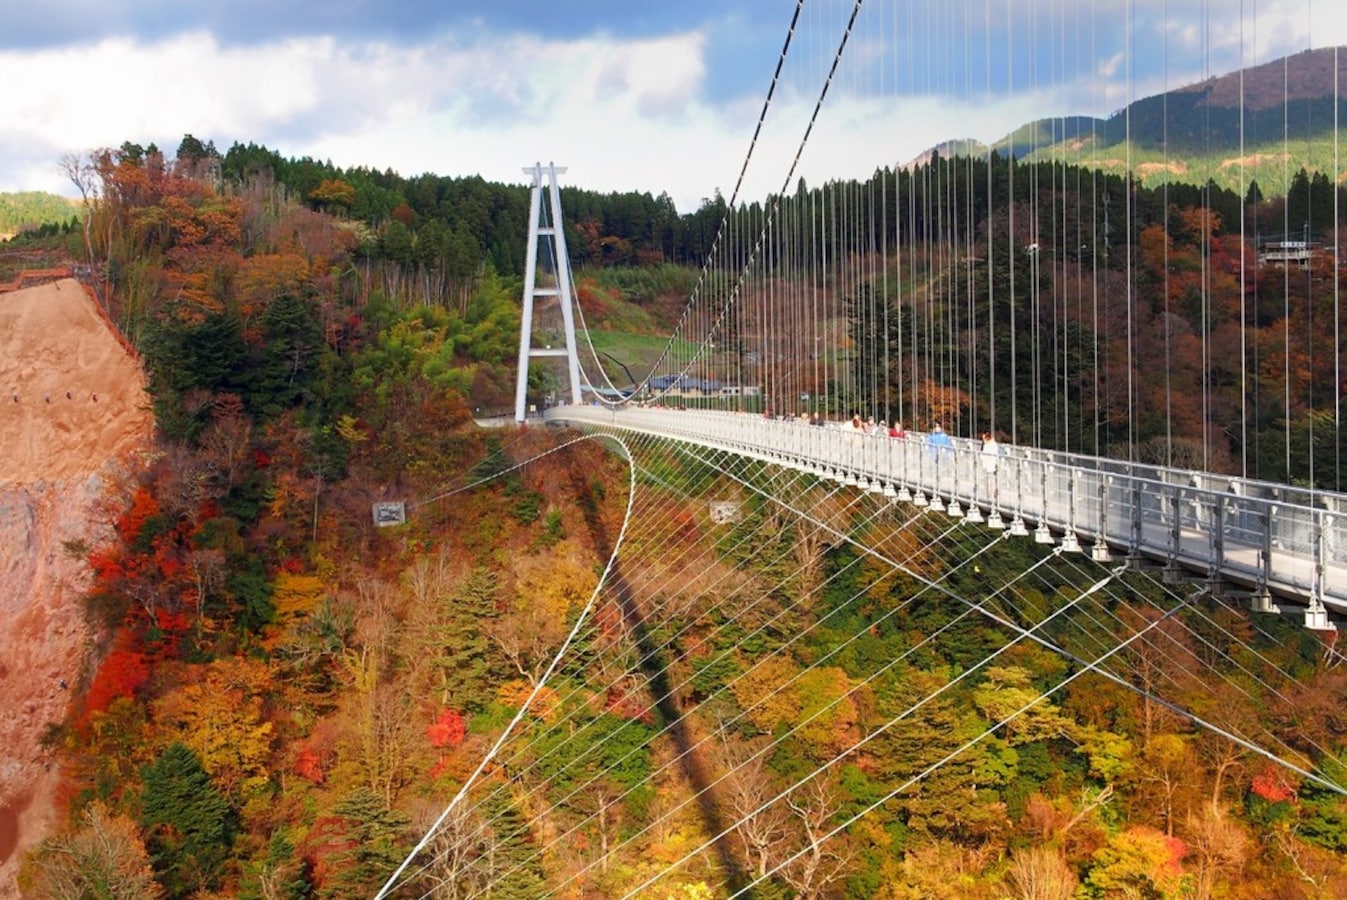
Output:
x=1041 y=873
x=760 y=827
x=105 y=857
x=83 y=174
x=464 y=858
x=1219 y=848
x=826 y=858
x=386 y=734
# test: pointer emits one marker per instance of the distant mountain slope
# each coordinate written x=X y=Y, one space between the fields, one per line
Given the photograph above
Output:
x=30 y=209
x=1286 y=99
x=1048 y=133
x=1194 y=132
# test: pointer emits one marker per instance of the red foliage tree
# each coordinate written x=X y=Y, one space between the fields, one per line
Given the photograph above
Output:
x=1271 y=785
x=143 y=507
x=309 y=765
x=121 y=674
x=448 y=729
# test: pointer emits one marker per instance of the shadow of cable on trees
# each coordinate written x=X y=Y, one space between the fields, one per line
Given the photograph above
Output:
x=652 y=665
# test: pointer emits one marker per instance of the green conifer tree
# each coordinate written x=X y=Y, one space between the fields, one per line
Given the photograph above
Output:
x=468 y=659
x=377 y=843
x=189 y=823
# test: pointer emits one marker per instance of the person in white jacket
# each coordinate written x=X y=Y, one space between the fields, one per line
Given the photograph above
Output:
x=991 y=452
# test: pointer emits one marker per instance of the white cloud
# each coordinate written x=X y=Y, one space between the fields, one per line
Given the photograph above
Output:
x=621 y=114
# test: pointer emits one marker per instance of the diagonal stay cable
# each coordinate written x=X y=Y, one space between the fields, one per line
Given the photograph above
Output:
x=720 y=231
x=723 y=655
x=633 y=519
x=774 y=206
x=1176 y=660
x=857 y=745
x=1066 y=654
x=851 y=820
x=762 y=700
x=824 y=709
x=575 y=630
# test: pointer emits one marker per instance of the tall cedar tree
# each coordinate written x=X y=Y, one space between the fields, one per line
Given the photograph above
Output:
x=189 y=824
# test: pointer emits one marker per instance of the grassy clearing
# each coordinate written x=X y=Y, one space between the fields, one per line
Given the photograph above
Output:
x=638 y=351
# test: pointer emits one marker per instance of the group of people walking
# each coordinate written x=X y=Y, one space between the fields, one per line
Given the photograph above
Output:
x=940 y=442
x=879 y=429
x=937 y=439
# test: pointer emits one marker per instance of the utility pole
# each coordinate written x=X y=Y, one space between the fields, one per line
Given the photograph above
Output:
x=555 y=236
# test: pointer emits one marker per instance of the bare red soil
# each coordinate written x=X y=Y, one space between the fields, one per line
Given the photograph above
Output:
x=73 y=421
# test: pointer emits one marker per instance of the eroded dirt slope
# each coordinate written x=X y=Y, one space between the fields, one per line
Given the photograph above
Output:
x=73 y=423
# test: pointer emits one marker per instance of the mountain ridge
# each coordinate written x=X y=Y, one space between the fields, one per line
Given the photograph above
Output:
x=1193 y=132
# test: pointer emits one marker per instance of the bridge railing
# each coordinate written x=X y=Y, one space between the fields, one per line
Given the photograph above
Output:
x=1265 y=537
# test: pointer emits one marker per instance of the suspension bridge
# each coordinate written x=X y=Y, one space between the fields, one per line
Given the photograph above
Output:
x=1064 y=362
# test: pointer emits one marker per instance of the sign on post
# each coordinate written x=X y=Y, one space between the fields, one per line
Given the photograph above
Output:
x=390 y=512
x=724 y=511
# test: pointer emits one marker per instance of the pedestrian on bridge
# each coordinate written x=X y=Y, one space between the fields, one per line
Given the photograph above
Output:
x=941 y=445
x=991 y=452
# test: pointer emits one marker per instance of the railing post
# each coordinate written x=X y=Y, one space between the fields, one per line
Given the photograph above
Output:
x=1265 y=553
x=1070 y=543
x=1216 y=563
x=1017 y=527
x=994 y=520
x=920 y=498
x=1173 y=574
x=958 y=462
x=977 y=470
x=937 y=453
x=905 y=491
x=1042 y=534
x=1316 y=614
x=1261 y=601
x=1134 y=559
x=1100 y=551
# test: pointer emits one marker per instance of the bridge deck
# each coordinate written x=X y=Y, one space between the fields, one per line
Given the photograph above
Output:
x=1267 y=538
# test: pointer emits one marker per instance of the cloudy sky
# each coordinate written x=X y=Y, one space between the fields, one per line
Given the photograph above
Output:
x=649 y=95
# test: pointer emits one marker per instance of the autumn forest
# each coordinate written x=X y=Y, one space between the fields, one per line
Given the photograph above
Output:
x=282 y=696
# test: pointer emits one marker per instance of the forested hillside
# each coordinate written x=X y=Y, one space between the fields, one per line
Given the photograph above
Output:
x=285 y=695
x=1054 y=264
x=32 y=210
x=1147 y=324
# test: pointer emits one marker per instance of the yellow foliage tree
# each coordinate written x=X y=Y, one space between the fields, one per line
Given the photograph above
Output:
x=828 y=714
x=776 y=694
x=333 y=192
x=267 y=275
x=1138 y=862
x=295 y=596
x=220 y=718
x=767 y=695
x=1009 y=693
x=515 y=693
x=540 y=612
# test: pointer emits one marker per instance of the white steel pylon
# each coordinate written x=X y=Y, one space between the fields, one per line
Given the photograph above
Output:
x=561 y=290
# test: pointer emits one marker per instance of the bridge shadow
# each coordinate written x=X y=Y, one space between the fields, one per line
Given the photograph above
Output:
x=655 y=670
